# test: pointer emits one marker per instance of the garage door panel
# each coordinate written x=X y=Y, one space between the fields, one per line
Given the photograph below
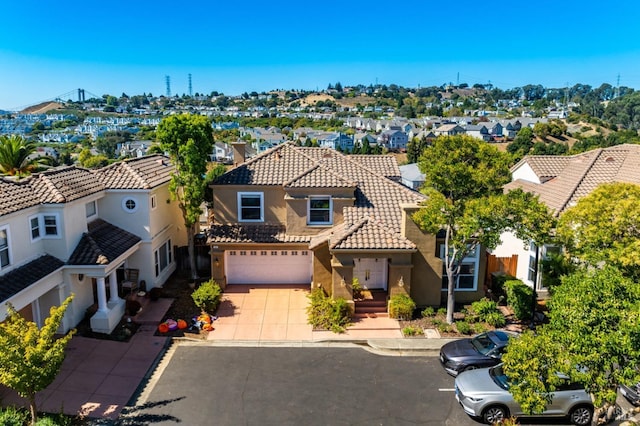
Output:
x=268 y=267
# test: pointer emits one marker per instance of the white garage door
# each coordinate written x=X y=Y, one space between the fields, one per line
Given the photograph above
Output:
x=268 y=266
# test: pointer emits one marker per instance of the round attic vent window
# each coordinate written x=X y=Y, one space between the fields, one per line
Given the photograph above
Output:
x=129 y=205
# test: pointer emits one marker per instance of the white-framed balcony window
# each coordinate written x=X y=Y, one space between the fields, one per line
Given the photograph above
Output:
x=91 y=209
x=320 y=210
x=162 y=257
x=44 y=226
x=467 y=279
x=5 y=255
x=250 y=207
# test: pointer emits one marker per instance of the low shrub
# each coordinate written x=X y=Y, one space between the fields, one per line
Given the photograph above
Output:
x=401 y=307
x=411 y=331
x=442 y=311
x=495 y=319
x=11 y=416
x=327 y=314
x=428 y=312
x=479 y=327
x=444 y=327
x=357 y=288
x=519 y=297
x=207 y=296
x=463 y=327
x=483 y=308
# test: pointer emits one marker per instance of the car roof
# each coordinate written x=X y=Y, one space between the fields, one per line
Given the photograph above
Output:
x=499 y=337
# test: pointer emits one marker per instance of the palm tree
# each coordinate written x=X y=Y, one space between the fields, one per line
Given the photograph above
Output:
x=14 y=155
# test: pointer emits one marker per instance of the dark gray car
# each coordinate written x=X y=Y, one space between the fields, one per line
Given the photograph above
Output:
x=483 y=350
x=484 y=393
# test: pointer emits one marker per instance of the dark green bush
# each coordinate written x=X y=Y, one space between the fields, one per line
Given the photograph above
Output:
x=207 y=296
x=497 y=286
x=401 y=307
x=327 y=314
x=519 y=297
x=484 y=307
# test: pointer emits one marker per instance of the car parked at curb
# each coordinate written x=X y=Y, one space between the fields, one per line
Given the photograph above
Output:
x=484 y=394
x=632 y=393
x=483 y=350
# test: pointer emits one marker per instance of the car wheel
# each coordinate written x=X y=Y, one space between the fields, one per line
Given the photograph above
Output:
x=581 y=415
x=495 y=414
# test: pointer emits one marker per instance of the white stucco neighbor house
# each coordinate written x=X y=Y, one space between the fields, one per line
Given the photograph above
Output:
x=73 y=230
x=560 y=181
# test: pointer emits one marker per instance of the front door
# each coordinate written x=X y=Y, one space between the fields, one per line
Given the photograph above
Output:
x=371 y=272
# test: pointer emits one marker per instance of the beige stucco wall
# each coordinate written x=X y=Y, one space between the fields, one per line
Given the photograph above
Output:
x=225 y=203
x=322 y=273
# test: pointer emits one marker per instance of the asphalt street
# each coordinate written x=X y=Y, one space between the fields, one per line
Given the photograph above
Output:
x=299 y=386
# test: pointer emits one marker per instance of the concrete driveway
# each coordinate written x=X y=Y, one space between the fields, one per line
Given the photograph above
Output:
x=279 y=313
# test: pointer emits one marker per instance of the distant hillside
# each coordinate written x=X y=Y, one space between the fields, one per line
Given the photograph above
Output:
x=41 y=108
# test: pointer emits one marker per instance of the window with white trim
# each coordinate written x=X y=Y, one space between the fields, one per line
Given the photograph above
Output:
x=91 y=209
x=467 y=279
x=163 y=257
x=5 y=256
x=531 y=276
x=250 y=207
x=44 y=226
x=320 y=210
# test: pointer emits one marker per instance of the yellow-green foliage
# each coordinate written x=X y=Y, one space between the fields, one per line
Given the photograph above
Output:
x=30 y=358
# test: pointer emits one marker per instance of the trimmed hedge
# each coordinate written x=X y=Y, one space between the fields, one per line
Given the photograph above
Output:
x=401 y=307
x=519 y=297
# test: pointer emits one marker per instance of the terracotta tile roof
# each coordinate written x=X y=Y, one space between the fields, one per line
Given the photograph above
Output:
x=20 y=278
x=384 y=165
x=267 y=233
x=368 y=234
x=377 y=197
x=319 y=177
x=15 y=196
x=65 y=184
x=580 y=174
x=102 y=244
x=137 y=173
x=545 y=166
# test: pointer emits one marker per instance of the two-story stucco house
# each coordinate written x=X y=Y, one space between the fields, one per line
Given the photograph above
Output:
x=73 y=230
x=315 y=216
x=560 y=181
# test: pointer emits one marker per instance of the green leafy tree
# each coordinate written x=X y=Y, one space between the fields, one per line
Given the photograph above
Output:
x=15 y=152
x=30 y=358
x=593 y=337
x=463 y=182
x=603 y=227
x=188 y=139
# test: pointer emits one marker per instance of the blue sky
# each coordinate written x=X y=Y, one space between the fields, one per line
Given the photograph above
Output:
x=52 y=48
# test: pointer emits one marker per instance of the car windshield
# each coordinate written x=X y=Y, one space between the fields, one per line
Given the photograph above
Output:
x=498 y=376
x=483 y=343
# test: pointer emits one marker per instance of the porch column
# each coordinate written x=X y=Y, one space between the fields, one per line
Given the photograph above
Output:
x=102 y=295
x=113 y=287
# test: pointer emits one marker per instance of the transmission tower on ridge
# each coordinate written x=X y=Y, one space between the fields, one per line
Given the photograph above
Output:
x=190 y=88
x=167 y=81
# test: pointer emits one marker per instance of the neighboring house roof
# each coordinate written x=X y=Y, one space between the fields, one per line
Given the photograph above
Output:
x=377 y=198
x=102 y=244
x=66 y=184
x=137 y=173
x=411 y=172
x=20 y=278
x=573 y=177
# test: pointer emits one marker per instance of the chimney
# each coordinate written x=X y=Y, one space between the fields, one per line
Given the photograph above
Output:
x=238 y=153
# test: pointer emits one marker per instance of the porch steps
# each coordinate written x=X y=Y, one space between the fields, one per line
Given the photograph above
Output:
x=374 y=303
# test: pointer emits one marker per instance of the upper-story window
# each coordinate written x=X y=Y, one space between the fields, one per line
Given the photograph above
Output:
x=320 y=210
x=5 y=258
x=91 y=209
x=250 y=206
x=129 y=205
x=44 y=226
